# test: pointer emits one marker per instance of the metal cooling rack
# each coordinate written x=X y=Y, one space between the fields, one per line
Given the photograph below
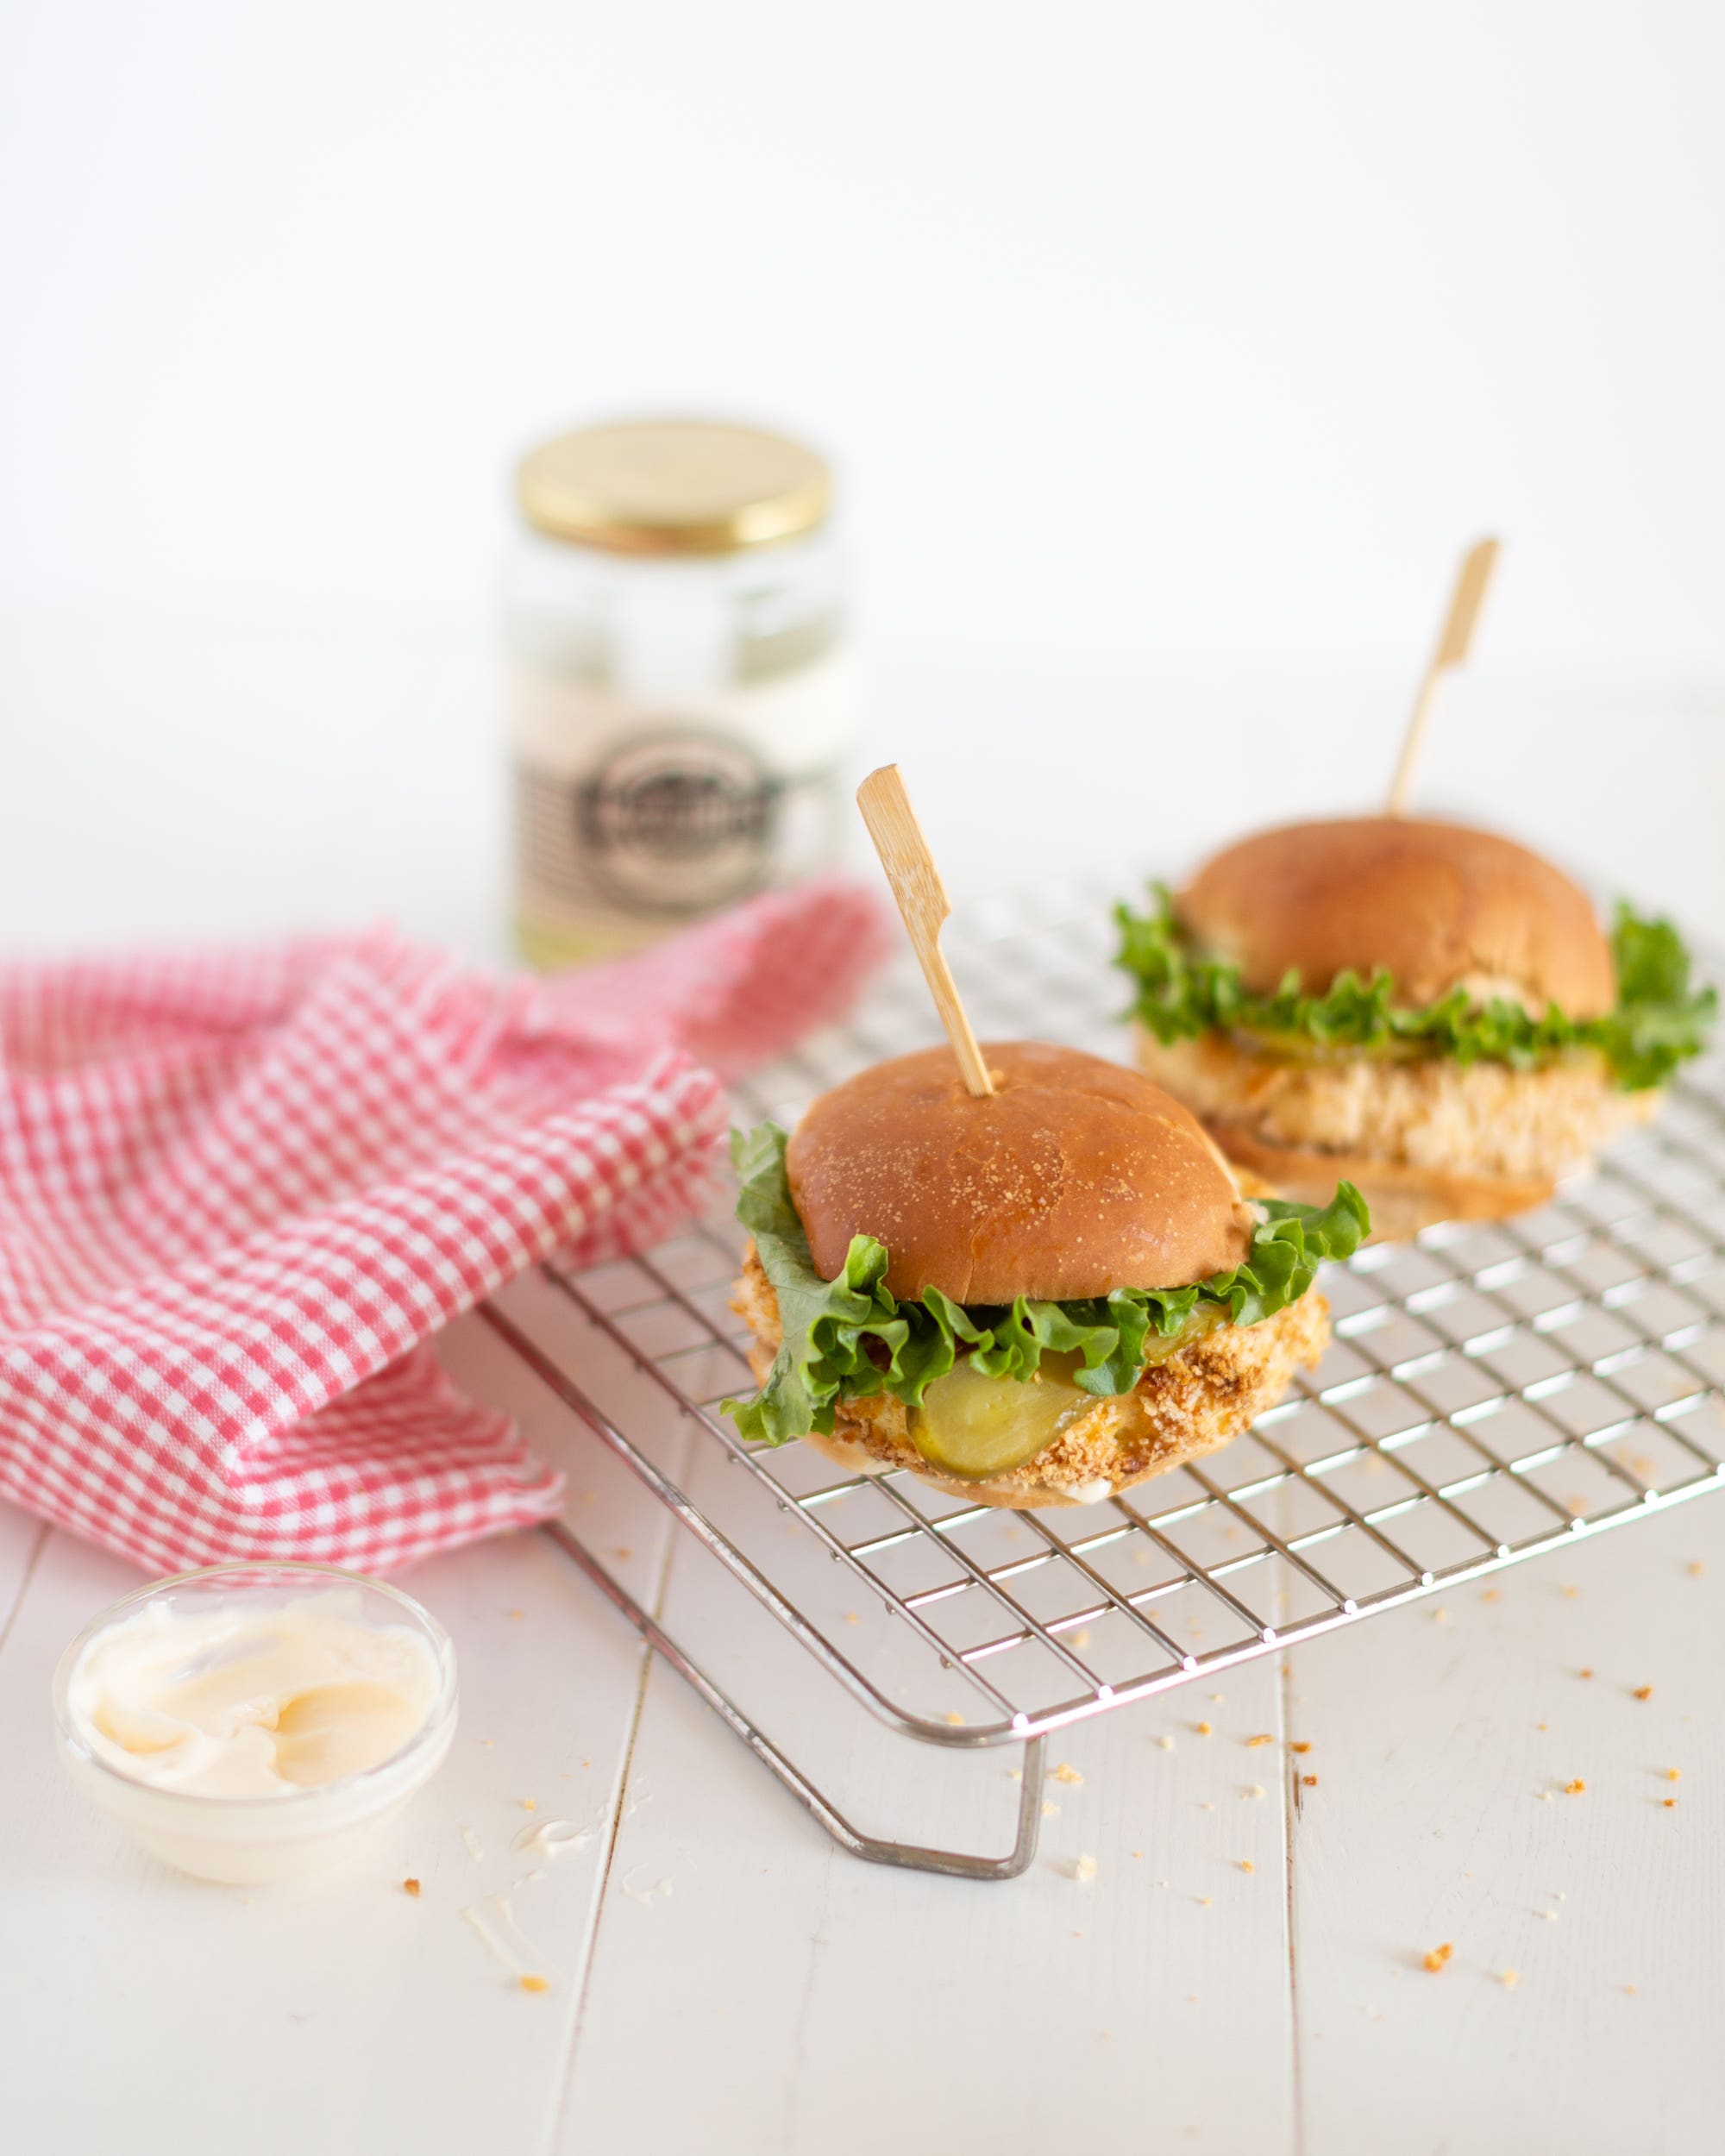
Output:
x=1495 y=1391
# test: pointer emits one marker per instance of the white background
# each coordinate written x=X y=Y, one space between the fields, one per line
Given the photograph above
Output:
x=1169 y=355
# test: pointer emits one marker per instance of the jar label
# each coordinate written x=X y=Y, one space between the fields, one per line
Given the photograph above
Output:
x=632 y=820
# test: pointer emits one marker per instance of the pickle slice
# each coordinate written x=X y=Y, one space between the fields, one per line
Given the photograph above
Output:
x=974 y=1427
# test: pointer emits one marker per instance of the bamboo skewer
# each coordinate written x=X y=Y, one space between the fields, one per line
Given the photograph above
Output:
x=923 y=901
x=1466 y=601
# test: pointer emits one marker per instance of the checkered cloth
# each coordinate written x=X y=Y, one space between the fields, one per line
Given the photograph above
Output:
x=239 y=1191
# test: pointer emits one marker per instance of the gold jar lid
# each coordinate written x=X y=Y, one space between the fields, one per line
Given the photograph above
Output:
x=673 y=486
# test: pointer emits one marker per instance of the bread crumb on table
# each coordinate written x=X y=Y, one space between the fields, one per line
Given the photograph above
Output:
x=534 y=1984
x=1438 y=1957
x=955 y=1718
x=1510 y=1979
x=1642 y=1691
x=1673 y=1774
x=1069 y=1775
x=411 y=1886
x=1308 y=1781
x=1203 y=1729
x=1577 y=1788
x=1252 y=1743
x=1084 y=1870
x=1245 y=1863
x=1304 y=1745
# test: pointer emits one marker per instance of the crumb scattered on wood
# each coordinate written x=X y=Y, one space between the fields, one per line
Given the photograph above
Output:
x=1308 y=1781
x=1246 y=1864
x=1673 y=1774
x=1510 y=1979
x=1642 y=1691
x=955 y=1718
x=1438 y=1957
x=1252 y=1743
x=534 y=1984
x=1577 y=1788
x=1303 y=1745
x=1252 y=1788
x=1166 y=1743
x=1491 y=1595
x=1670 y=1803
x=1203 y=1729
x=411 y=1886
x=1441 y=1617
x=530 y=1804
x=1084 y=1870
x=1049 y=1810
x=1069 y=1775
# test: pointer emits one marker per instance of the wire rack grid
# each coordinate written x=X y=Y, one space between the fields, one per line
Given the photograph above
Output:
x=1493 y=1391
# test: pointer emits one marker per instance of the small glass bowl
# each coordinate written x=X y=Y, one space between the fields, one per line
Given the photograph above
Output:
x=259 y=1840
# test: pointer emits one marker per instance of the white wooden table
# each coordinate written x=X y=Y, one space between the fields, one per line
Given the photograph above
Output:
x=727 y=1981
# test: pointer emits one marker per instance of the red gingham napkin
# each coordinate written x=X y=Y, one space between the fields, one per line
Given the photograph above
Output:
x=240 y=1190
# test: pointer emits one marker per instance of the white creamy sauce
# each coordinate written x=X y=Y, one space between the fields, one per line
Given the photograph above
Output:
x=228 y=1699
x=1090 y=1492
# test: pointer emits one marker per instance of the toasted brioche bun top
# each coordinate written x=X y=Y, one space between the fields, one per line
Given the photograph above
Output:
x=1436 y=904
x=1075 y=1178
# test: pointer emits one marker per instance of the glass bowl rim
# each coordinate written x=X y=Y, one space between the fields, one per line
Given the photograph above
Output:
x=440 y=1712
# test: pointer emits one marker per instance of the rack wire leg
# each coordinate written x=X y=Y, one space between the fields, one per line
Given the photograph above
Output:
x=908 y=1856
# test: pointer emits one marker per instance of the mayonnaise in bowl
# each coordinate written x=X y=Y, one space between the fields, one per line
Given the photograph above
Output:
x=250 y=1723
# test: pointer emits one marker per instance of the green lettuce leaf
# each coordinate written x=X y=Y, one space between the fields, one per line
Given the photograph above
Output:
x=848 y=1338
x=1660 y=1017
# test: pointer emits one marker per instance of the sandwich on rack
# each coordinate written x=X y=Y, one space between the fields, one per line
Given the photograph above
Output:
x=1430 y=1011
x=1040 y=1295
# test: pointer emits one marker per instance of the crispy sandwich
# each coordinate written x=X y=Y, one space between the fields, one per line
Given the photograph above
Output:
x=1432 y=1012
x=1040 y=1297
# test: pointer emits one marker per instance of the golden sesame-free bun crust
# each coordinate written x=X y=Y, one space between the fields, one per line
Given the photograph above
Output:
x=1434 y=903
x=1077 y=1176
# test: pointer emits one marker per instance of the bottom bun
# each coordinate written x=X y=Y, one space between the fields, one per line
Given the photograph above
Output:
x=1180 y=1409
x=1402 y=1198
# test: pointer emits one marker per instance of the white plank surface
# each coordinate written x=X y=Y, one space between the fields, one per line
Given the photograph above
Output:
x=782 y=1997
x=1443 y=1747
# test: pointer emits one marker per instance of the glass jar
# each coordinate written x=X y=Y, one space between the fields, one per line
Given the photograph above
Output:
x=681 y=695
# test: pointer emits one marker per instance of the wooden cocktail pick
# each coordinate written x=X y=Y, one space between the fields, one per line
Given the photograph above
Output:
x=923 y=901
x=1468 y=596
